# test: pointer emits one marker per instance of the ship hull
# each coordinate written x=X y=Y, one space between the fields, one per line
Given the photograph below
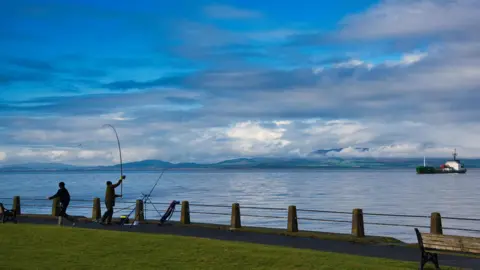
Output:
x=433 y=170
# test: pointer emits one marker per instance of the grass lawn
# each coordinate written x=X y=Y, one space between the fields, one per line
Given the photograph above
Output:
x=25 y=246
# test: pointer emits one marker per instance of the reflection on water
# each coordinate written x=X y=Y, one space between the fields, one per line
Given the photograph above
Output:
x=375 y=191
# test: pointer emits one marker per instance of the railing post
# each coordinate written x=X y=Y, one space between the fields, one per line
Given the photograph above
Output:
x=358 y=229
x=139 y=211
x=96 y=210
x=56 y=207
x=292 y=219
x=16 y=205
x=436 y=223
x=185 y=214
x=235 y=221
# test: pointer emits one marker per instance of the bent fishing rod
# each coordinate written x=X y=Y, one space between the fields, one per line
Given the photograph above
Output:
x=120 y=153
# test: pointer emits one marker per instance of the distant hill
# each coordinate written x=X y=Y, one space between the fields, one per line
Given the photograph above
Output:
x=38 y=166
x=324 y=162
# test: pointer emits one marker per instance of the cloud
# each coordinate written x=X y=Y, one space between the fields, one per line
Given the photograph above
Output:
x=3 y=156
x=209 y=143
x=228 y=12
x=410 y=58
x=390 y=86
x=393 y=26
x=412 y=18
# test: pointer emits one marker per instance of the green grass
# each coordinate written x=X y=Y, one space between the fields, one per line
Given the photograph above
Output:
x=50 y=247
x=369 y=239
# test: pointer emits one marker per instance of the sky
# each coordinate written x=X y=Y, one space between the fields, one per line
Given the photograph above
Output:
x=204 y=81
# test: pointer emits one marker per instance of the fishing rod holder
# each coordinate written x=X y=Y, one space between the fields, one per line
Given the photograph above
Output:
x=145 y=199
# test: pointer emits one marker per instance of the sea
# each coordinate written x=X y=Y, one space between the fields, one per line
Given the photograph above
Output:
x=324 y=199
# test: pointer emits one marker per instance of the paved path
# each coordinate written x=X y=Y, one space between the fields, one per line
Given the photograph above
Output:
x=381 y=251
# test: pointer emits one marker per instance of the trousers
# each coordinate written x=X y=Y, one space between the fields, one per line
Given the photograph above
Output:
x=107 y=216
x=63 y=212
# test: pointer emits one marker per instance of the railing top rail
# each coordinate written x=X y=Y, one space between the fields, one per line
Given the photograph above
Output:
x=461 y=218
x=461 y=229
x=264 y=208
x=210 y=205
x=325 y=220
x=324 y=211
x=395 y=215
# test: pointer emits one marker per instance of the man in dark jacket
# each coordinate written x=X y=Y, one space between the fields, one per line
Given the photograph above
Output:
x=110 y=200
x=64 y=196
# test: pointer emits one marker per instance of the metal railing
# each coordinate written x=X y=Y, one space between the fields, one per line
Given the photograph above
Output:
x=254 y=215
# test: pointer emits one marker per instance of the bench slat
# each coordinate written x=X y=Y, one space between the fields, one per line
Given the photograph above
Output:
x=466 y=242
x=472 y=250
x=445 y=240
x=451 y=243
x=442 y=236
x=439 y=247
x=470 y=243
x=474 y=246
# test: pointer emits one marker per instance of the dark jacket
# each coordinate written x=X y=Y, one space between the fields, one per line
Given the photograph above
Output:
x=64 y=196
x=110 y=193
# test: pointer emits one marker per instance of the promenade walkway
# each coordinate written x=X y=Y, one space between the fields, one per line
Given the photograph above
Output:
x=381 y=251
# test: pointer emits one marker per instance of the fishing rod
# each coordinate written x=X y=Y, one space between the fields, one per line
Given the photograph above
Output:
x=163 y=171
x=120 y=153
x=146 y=196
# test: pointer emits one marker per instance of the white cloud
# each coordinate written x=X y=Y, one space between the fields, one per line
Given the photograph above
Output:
x=229 y=12
x=281 y=123
x=411 y=58
x=397 y=18
x=92 y=154
x=49 y=155
x=342 y=132
x=251 y=138
x=118 y=116
x=253 y=131
x=408 y=59
x=353 y=63
x=255 y=138
x=405 y=60
x=3 y=156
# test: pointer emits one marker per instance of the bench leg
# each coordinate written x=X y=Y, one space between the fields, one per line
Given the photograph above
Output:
x=429 y=257
x=435 y=261
x=6 y=218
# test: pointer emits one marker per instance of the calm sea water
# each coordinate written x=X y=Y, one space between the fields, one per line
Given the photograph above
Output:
x=375 y=191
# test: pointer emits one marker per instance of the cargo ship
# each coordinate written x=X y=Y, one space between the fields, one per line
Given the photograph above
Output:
x=451 y=166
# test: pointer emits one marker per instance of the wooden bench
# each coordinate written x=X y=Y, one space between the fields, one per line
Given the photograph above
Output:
x=7 y=215
x=428 y=243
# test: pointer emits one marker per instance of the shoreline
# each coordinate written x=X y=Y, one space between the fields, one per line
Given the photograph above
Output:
x=326 y=168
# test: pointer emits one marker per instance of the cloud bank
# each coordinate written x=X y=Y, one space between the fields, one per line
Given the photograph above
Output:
x=400 y=77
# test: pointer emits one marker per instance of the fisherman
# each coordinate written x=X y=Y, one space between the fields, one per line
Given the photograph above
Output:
x=110 y=200
x=64 y=196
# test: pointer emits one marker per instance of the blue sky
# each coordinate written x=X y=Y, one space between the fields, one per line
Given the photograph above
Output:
x=210 y=80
